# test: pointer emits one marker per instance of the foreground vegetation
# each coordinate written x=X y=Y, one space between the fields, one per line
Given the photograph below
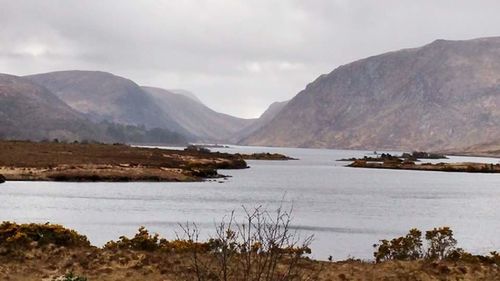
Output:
x=23 y=160
x=263 y=247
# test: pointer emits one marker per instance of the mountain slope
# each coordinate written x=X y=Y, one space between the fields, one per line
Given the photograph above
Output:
x=29 y=111
x=445 y=95
x=260 y=122
x=185 y=93
x=104 y=96
x=196 y=118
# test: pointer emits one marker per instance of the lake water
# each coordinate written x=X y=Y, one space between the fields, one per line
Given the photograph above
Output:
x=347 y=209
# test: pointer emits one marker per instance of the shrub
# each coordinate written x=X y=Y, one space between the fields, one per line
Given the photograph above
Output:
x=440 y=245
x=13 y=235
x=144 y=241
x=263 y=248
x=408 y=247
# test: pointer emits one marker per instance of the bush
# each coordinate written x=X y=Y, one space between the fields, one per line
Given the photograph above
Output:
x=263 y=248
x=408 y=247
x=143 y=241
x=440 y=245
x=13 y=235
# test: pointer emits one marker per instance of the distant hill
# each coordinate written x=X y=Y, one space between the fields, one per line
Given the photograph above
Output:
x=196 y=118
x=104 y=96
x=260 y=122
x=30 y=111
x=442 y=96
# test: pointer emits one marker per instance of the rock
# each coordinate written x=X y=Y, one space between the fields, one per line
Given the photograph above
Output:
x=2 y=179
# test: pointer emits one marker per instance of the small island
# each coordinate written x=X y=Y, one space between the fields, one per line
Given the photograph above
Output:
x=407 y=162
x=414 y=156
x=265 y=156
x=54 y=161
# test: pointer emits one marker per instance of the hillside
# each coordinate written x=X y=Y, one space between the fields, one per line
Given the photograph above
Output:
x=195 y=117
x=29 y=111
x=260 y=122
x=104 y=96
x=185 y=93
x=441 y=96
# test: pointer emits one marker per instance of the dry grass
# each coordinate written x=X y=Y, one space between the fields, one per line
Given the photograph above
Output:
x=32 y=252
x=102 y=162
x=109 y=265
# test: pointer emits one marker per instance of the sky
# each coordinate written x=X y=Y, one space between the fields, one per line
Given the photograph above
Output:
x=237 y=56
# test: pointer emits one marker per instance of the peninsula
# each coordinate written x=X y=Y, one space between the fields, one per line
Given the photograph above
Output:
x=54 y=161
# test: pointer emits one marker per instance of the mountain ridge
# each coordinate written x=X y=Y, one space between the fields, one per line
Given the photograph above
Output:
x=443 y=95
x=105 y=96
x=29 y=111
x=195 y=117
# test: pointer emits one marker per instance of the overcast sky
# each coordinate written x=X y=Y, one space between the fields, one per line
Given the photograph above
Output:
x=236 y=56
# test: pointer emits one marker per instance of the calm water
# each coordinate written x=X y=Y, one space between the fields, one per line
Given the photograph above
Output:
x=347 y=209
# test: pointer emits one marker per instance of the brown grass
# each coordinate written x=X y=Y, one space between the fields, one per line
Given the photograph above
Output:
x=103 y=265
x=102 y=162
x=32 y=252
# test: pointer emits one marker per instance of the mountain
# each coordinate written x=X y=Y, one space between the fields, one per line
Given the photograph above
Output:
x=260 y=122
x=442 y=96
x=196 y=118
x=185 y=93
x=104 y=96
x=29 y=111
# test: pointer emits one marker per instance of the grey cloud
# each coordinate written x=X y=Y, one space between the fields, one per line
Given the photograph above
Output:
x=237 y=56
